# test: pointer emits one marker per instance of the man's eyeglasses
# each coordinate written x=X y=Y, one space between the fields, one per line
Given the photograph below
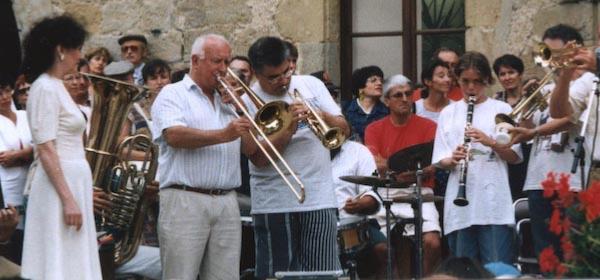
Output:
x=125 y=49
x=72 y=78
x=407 y=94
x=280 y=77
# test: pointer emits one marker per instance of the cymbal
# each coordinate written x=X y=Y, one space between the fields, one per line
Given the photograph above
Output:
x=410 y=198
x=373 y=181
x=407 y=158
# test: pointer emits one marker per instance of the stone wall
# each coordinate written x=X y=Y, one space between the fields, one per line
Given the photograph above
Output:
x=171 y=26
x=515 y=26
x=494 y=27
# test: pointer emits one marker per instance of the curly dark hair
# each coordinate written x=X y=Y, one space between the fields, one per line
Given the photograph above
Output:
x=155 y=67
x=40 y=43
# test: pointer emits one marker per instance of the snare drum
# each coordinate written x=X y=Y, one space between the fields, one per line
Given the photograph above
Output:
x=353 y=235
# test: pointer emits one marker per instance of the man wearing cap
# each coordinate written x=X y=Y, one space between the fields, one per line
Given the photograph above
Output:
x=133 y=49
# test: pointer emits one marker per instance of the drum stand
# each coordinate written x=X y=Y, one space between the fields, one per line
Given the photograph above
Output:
x=417 y=207
x=387 y=203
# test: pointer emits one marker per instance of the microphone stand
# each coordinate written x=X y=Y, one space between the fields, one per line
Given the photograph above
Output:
x=387 y=203
x=579 y=154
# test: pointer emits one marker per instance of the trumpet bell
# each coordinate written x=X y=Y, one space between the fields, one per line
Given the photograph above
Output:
x=273 y=116
x=333 y=138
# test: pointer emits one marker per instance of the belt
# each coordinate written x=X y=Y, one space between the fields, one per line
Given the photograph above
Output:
x=199 y=190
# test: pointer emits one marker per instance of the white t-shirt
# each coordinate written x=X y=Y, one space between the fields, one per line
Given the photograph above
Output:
x=354 y=159
x=580 y=92
x=543 y=159
x=421 y=111
x=305 y=154
x=14 y=137
x=487 y=189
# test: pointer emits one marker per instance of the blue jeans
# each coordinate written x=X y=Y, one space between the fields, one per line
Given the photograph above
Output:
x=486 y=243
x=540 y=210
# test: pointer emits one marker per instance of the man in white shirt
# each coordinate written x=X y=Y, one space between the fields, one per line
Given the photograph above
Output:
x=290 y=235
x=553 y=145
x=355 y=202
x=199 y=140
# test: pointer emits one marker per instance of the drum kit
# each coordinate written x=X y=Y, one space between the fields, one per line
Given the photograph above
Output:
x=353 y=235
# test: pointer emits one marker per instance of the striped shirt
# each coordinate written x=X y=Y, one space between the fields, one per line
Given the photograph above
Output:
x=216 y=166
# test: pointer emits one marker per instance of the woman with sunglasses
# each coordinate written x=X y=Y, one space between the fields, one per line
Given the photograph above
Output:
x=21 y=92
x=367 y=89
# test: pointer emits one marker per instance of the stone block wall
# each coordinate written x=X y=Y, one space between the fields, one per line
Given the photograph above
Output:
x=494 y=27
x=515 y=26
x=172 y=26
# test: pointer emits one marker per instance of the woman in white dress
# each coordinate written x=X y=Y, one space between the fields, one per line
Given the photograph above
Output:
x=60 y=235
x=16 y=154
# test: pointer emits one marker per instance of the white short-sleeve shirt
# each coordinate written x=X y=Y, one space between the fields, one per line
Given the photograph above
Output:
x=354 y=159
x=14 y=137
x=487 y=190
x=215 y=166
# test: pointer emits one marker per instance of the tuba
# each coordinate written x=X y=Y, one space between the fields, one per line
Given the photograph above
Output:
x=112 y=172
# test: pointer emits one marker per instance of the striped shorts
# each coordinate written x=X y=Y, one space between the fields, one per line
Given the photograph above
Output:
x=298 y=241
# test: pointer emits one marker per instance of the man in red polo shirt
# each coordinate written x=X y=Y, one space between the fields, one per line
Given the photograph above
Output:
x=395 y=132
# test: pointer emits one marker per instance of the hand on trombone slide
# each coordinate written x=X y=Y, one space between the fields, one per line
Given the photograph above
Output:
x=237 y=128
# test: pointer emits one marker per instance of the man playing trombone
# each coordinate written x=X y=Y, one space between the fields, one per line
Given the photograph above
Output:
x=200 y=140
x=291 y=234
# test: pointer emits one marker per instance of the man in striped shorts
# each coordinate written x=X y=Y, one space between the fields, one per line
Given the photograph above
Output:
x=290 y=235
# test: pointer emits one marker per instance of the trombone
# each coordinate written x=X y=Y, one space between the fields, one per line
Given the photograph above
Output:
x=331 y=137
x=276 y=116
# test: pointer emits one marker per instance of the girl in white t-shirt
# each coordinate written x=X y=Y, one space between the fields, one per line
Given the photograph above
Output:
x=482 y=229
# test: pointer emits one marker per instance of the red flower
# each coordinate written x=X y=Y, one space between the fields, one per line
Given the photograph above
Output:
x=548 y=260
x=566 y=225
x=555 y=224
x=590 y=201
x=561 y=270
x=565 y=195
x=549 y=185
x=567 y=247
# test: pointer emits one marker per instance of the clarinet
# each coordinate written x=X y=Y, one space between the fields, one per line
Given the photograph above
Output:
x=461 y=196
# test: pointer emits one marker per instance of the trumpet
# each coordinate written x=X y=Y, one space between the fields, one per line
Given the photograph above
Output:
x=270 y=118
x=544 y=56
x=331 y=137
x=535 y=100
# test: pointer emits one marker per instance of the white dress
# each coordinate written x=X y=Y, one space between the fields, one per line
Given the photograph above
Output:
x=51 y=249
